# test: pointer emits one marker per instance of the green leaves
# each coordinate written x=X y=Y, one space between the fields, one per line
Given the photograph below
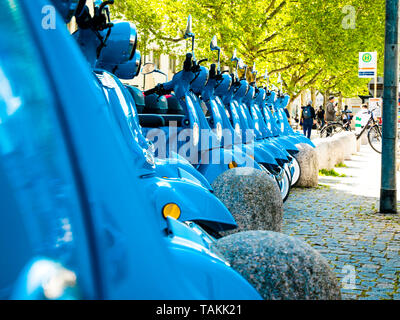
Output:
x=313 y=43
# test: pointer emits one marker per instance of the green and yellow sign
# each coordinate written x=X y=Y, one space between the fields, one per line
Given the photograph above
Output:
x=367 y=57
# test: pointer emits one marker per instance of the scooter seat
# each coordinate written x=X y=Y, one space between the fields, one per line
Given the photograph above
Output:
x=173 y=105
x=151 y=121
x=160 y=120
x=155 y=104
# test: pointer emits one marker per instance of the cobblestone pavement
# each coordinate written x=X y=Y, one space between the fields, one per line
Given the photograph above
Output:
x=340 y=220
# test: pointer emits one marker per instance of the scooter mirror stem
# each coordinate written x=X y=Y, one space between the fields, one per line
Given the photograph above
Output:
x=213 y=47
x=280 y=82
x=189 y=34
x=163 y=73
x=219 y=61
x=254 y=71
x=244 y=77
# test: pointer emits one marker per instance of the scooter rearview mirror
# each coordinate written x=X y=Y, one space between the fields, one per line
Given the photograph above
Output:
x=213 y=47
x=266 y=74
x=266 y=77
x=241 y=65
x=254 y=71
x=214 y=44
x=234 y=57
x=148 y=68
x=189 y=31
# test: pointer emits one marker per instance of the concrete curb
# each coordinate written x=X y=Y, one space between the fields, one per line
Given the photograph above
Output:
x=332 y=151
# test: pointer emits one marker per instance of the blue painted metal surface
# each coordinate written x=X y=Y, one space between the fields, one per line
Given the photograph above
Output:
x=70 y=195
x=182 y=179
x=209 y=157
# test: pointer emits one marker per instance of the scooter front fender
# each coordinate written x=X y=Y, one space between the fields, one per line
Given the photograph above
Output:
x=180 y=168
x=278 y=154
x=196 y=204
x=303 y=139
x=263 y=155
x=212 y=170
x=285 y=143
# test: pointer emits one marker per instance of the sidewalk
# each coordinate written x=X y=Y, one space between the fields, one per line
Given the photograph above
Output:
x=340 y=220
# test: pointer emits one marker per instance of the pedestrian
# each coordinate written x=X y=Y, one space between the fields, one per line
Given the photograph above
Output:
x=307 y=119
x=330 y=110
x=347 y=114
x=321 y=116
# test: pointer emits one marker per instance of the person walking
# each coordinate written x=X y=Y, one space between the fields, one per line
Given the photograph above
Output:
x=321 y=116
x=330 y=110
x=307 y=119
x=347 y=115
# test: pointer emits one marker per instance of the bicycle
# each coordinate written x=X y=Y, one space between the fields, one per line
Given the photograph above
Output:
x=373 y=127
x=374 y=133
x=330 y=129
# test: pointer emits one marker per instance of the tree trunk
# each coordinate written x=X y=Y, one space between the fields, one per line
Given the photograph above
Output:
x=340 y=104
x=326 y=97
x=314 y=97
x=303 y=99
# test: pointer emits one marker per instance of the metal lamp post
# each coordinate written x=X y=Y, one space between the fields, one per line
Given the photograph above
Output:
x=388 y=200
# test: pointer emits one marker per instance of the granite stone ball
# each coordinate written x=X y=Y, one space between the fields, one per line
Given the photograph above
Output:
x=308 y=161
x=280 y=267
x=253 y=198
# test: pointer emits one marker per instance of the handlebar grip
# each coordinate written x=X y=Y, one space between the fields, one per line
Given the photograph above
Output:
x=213 y=71
x=151 y=91
x=187 y=65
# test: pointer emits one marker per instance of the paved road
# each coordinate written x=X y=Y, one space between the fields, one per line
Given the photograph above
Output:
x=340 y=220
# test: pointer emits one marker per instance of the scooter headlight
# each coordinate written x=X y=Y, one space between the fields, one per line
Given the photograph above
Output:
x=171 y=210
x=232 y=165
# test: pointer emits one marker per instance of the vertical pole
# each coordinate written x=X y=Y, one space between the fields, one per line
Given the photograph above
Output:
x=376 y=82
x=388 y=200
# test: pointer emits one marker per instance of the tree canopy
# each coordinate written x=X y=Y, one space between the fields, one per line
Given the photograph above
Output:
x=312 y=43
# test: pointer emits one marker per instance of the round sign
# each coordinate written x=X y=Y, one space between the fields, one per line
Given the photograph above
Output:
x=367 y=57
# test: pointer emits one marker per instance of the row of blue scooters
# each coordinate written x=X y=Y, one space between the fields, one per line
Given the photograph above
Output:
x=100 y=197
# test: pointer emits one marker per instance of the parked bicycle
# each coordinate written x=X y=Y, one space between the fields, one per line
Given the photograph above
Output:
x=374 y=131
x=331 y=128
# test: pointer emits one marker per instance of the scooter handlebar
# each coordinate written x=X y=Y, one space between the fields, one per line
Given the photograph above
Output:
x=150 y=91
x=187 y=65
x=160 y=89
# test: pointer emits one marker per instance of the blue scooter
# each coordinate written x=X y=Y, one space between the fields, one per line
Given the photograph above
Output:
x=77 y=218
x=206 y=209
x=266 y=132
x=249 y=113
x=206 y=153
x=218 y=119
x=262 y=132
x=240 y=120
x=277 y=102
